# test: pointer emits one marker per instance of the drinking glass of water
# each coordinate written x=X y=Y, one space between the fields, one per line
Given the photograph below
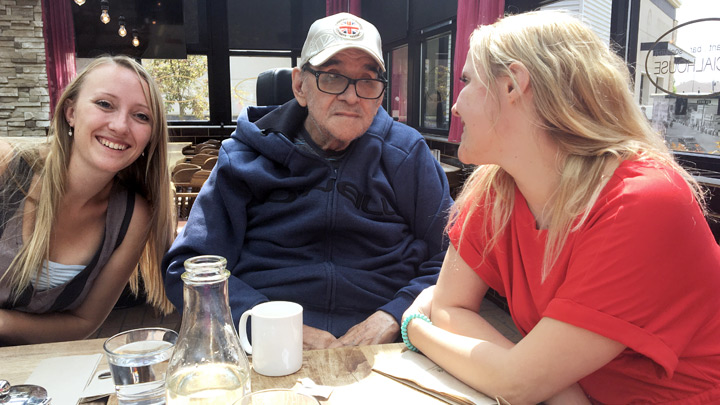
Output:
x=138 y=359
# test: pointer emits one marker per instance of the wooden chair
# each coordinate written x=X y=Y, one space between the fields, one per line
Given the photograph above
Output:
x=184 y=165
x=198 y=179
x=209 y=163
x=188 y=183
x=188 y=150
x=183 y=176
x=211 y=151
x=215 y=142
x=200 y=158
x=183 y=204
x=206 y=147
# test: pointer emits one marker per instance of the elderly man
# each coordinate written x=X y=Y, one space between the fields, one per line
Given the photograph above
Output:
x=325 y=200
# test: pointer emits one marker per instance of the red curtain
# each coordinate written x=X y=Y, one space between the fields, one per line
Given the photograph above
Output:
x=470 y=14
x=338 y=6
x=58 y=31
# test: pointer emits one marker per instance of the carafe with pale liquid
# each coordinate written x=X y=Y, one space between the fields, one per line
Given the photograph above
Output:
x=208 y=365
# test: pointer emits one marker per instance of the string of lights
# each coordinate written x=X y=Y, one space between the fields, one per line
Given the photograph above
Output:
x=105 y=19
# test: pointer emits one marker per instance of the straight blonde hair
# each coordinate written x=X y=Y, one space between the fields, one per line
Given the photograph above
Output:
x=582 y=96
x=148 y=176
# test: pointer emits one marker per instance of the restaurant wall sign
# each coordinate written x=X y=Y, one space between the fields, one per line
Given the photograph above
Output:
x=690 y=54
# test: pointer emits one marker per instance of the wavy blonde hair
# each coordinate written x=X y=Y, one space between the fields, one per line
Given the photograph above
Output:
x=147 y=176
x=582 y=96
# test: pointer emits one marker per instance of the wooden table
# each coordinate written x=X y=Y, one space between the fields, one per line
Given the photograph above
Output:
x=348 y=370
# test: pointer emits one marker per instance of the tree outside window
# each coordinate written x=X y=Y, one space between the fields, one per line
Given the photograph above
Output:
x=183 y=83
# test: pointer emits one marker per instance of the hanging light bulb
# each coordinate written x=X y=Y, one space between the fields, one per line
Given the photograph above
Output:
x=135 y=41
x=122 y=31
x=104 y=16
x=79 y=2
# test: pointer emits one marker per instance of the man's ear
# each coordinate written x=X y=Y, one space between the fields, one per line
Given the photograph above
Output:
x=297 y=83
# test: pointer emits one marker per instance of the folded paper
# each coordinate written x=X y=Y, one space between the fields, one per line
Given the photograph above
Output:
x=419 y=372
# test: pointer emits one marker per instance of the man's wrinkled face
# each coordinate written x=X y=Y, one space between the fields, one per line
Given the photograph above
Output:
x=335 y=120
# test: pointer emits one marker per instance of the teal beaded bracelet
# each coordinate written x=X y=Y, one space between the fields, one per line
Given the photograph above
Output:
x=403 y=329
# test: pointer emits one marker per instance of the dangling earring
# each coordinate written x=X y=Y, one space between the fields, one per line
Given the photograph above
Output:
x=142 y=154
x=70 y=132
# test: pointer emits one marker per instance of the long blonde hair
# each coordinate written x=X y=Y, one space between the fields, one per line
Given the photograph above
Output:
x=147 y=176
x=581 y=94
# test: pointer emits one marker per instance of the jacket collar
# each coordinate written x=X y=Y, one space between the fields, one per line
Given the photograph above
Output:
x=286 y=119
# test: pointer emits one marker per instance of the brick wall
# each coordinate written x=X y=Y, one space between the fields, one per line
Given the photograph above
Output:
x=24 y=100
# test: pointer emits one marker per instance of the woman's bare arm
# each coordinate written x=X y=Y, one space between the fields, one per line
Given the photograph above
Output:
x=21 y=328
x=546 y=363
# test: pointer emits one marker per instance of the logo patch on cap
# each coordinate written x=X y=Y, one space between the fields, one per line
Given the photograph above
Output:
x=349 y=28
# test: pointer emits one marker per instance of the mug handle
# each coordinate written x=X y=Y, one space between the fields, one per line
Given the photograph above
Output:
x=242 y=331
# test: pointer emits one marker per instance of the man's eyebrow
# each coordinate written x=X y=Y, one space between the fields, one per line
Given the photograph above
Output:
x=373 y=68
x=369 y=66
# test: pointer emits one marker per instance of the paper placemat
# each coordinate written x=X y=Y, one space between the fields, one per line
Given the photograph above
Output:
x=65 y=378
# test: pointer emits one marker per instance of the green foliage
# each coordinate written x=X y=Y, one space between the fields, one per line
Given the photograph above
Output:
x=183 y=83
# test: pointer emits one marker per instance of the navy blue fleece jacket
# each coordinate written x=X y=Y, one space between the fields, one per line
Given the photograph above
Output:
x=343 y=242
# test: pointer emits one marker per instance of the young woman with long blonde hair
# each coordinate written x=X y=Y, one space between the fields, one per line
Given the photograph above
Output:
x=579 y=215
x=87 y=211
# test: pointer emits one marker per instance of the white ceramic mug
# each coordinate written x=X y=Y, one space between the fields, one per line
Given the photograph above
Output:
x=277 y=337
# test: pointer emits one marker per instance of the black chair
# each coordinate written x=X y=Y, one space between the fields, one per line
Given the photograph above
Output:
x=274 y=87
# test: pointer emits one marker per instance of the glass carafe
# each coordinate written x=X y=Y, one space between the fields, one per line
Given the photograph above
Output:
x=208 y=365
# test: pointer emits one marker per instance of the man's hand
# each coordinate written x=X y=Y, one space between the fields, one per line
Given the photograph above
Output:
x=314 y=339
x=378 y=328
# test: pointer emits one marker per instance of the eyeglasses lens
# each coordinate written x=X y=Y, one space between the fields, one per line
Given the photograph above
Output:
x=337 y=84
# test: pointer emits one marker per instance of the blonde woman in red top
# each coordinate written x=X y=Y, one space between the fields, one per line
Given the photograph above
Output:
x=578 y=214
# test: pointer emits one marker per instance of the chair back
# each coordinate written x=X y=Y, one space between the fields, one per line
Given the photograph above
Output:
x=200 y=158
x=210 y=163
x=274 y=87
x=188 y=150
x=206 y=147
x=184 y=165
x=198 y=179
x=183 y=176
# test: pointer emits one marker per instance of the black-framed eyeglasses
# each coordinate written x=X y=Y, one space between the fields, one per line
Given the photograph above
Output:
x=335 y=83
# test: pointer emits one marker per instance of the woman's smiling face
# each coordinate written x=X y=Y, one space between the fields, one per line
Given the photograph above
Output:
x=111 y=118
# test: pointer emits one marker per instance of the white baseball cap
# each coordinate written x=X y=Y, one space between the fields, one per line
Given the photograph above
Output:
x=332 y=34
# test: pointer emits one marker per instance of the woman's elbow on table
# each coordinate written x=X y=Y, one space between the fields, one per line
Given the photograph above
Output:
x=518 y=392
x=517 y=387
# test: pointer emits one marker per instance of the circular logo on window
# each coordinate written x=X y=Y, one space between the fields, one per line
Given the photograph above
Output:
x=349 y=28
x=685 y=61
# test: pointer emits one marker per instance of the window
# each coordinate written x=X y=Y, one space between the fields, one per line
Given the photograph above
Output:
x=691 y=125
x=678 y=67
x=244 y=71
x=436 y=82
x=398 y=83
x=184 y=86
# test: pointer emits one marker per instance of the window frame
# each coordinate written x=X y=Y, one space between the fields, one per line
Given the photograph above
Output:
x=415 y=72
x=424 y=38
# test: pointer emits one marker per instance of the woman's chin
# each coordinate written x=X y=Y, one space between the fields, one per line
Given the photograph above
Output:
x=464 y=156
